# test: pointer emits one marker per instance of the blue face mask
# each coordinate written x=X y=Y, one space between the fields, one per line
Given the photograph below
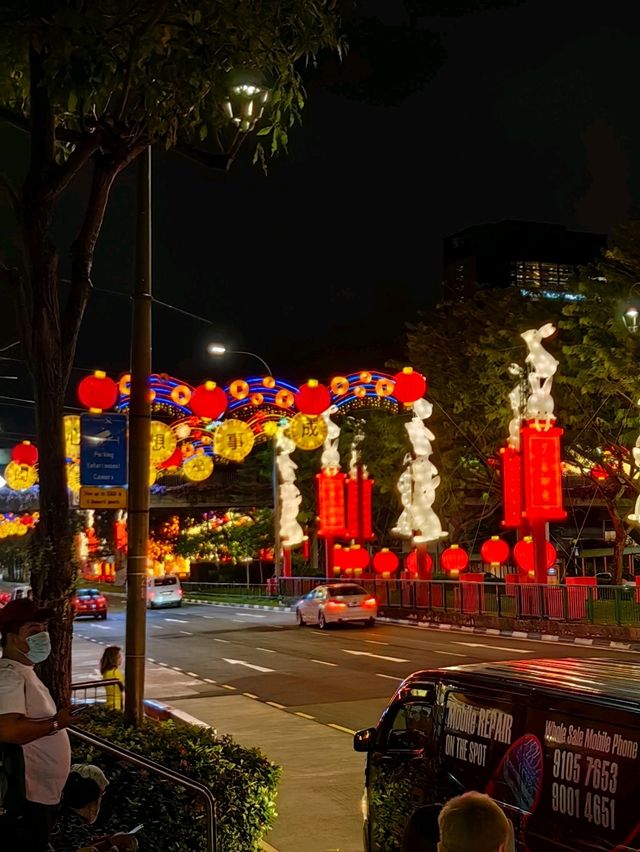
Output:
x=39 y=647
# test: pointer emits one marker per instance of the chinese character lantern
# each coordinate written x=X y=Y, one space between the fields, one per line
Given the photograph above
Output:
x=313 y=398
x=524 y=555
x=233 y=440
x=25 y=453
x=331 y=505
x=20 y=477
x=72 y=436
x=97 y=392
x=163 y=442
x=494 y=551
x=308 y=432
x=208 y=400
x=198 y=467
x=454 y=560
x=385 y=562
x=409 y=385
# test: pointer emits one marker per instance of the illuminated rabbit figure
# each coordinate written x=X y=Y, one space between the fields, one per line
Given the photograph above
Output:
x=515 y=400
x=330 y=455
x=542 y=368
x=290 y=498
x=635 y=517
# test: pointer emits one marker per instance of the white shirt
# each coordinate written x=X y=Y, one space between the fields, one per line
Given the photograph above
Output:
x=47 y=760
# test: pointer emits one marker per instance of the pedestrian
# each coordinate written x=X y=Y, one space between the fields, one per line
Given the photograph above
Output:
x=81 y=800
x=421 y=833
x=29 y=718
x=111 y=669
x=473 y=822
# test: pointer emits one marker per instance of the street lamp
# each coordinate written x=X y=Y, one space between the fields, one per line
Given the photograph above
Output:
x=220 y=349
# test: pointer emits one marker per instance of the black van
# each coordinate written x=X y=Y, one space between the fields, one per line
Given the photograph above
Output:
x=555 y=742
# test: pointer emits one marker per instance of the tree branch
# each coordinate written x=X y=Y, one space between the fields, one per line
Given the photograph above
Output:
x=220 y=162
x=11 y=118
x=138 y=35
x=79 y=157
x=42 y=121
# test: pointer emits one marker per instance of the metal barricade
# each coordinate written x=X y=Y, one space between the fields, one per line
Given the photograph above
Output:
x=93 y=691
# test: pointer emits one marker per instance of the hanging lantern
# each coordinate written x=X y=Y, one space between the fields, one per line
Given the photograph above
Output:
x=124 y=385
x=337 y=558
x=313 y=398
x=163 y=442
x=198 y=467
x=358 y=558
x=409 y=385
x=359 y=493
x=257 y=399
x=72 y=436
x=331 y=509
x=339 y=385
x=25 y=453
x=511 y=486
x=524 y=555
x=385 y=562
x=454 y=560
x=97 y=392
x=73 y=477
x=20 y=477
x=209 y=401
x=384 y=387
x=495 y=551
x=181 y=395
x=233 y=440
x=308 y=432
x=284 y=399
x=411 y=562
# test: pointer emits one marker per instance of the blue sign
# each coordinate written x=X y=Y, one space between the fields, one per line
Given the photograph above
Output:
x=103 y=449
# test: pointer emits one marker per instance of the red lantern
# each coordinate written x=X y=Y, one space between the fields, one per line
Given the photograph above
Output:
x=25 y=453
x=411 y=562
x=208 y=400
x=358 y=558
x=409 y=385
x=454 y=560
x=598 y=473
x=337 y=558
x=331 y=504
x=524 y=555
x=511 y=486
x=495 y=551
x=174 y=460
x=26 y=520
x=313 y=398
x=359 y=509
x=98 y=392
x=385 y=562
x=542 y=473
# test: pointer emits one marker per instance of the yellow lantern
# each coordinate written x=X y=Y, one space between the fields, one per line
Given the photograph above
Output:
x=181 y=395
x=163 y=442
x=4 y=530
x=270 y=428
x=198 y=467
x=360 y=391
x=339 y=385
x=308 y=431
x=384 y=387
x=365 y=376
x=233 y=440
x=239 y=389
x=19 y=477
x=72 y=436
x=284 y=398
x=73 y=477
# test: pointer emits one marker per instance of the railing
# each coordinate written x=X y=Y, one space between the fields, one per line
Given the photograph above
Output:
x=93 y=691
x=146 y=765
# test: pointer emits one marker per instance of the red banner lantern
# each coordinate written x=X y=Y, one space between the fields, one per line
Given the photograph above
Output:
x=511 y=486
x=331 y=509
x=385 y=561
x=25 y=453
x=542 y=473
x=98 y=392
x=495 y=551
x=409 y=385
x=524 y=555
x=313 y=398
x=359 y=491
x=208 y=400
x=454 y=560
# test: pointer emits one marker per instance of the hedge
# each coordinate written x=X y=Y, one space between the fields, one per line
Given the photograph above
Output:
x=243 y=781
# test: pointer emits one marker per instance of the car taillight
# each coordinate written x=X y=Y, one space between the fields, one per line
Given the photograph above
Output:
x=370 y=602
x=336 y=605
x=180 y=593
x=101 y=601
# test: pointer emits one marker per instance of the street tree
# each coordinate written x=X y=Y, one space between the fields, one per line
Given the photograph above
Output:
x=92 y=84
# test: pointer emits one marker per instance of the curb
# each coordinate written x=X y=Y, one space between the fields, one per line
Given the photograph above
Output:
x=240 y=606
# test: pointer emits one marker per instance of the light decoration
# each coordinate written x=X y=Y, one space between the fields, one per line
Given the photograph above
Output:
x=97 y=392
x=181 y=395
x=516 y=401
x=72 y=436
x=634 y=517
x=331 y=507
x=284 y=398
x=542 y=473
x=18 y=525
x=233 y=440
x=339 y=385
x=208 y=400
x=308 y=432
x=330 y=454
x=291 y=533
x=359 y=492
x=542 y=368
x=174 y=460
x=454 y=560
x=163 y=442
x=418 y=515
x=73 y=477
x=313 y=398
x=198 y=467
x=511 y=486
x=523 y=553
x=411 y=563
x=494 y=551
x=385 y=562
x=20 y=477
x=409 y=385
x=239 y=389
x=25 y=453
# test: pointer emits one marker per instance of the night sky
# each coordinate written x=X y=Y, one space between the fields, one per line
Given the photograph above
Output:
x=532 y=115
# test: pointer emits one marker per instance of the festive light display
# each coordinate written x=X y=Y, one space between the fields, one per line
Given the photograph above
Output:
x=73 y=477
x=233 y=440
x=411 y=562
x=495 y=551
x=308 y=432
x=198 y=467
x=18 y=525
x=98 y=392
x=385 y=562
x=331 y=503
x=208 y=400
x=359 y=496
x=313 y=398
x=542 y=368
x=511 y=486
x=20 y=477
x=291 y=533
x=454 y=560
x=409 y=385
x=72 y=436
x=542 y=473
x=25 y=453
x=524 y=555
x=163 y=442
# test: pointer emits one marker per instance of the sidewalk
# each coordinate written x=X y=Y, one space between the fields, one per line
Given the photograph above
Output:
x=322 y=779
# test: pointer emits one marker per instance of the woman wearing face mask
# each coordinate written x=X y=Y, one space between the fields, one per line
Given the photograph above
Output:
x=81 y=800
x=29 y=720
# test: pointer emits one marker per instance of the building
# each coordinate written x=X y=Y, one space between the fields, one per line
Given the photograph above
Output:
x=539 y=258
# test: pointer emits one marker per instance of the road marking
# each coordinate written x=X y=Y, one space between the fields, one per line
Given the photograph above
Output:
x=177 y=668
x=226 y=641
x=324 y=663
x=390 y=677
x=164 y=664
x=249 y=694
x=226 y=686
x=450 y=654
x=158 y=626
x=373 y=642
x=377 y=656
x=340 y=728
x=210 y=680
x=268 y=650
x=238 y=621
x=276 y=705
x=248 y=665
x=304 y=715
x=208 y=616
x=193 y=674
x=186 y=633
x=249 y=615
x=494 y=647
x=177 y=620
x=150 y=660
x=102 y=627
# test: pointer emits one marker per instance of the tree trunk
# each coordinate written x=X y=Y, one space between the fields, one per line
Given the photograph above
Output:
x=618 y=546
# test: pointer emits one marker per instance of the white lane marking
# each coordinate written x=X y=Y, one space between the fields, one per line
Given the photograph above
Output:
x=303 y=715
x=389 y=677
x=324 y=663
x=450 y=654
x=249 y=615
x=193 y=674
x=208 y=616
x=494 y=647
x=268 y=650
x=210 y=680
x=340 y=728
x=177 y=620
x=226 y=641
x=176 y=668
x=150 y=660
x=275 y=704
x=373 y=642
x=158 y=626
x=248 y=665
x=238 y=621
x=377 y=656
x=165 y=664
x=249 y=695
x=186 y=633
x=226 y=686
x=102 y=627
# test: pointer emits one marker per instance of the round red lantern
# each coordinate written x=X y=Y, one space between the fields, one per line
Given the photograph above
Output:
x=98 y=392
x=385 y=562
x=411 y=562
x=454 y=560
x=358 y=557
x=26 y=520
x=313 y=398
x=25 y=453
x=494 y=551
x=598 y=473
x=409 y=385
x=208 y=400
x=524 y=555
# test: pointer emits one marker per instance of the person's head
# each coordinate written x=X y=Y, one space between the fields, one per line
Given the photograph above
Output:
x=84 y=789
x=24 y=628
x=111 y=658
x=473 y=822
x=421 y=833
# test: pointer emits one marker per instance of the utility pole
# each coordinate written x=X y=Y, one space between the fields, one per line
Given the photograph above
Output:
x=139 y=452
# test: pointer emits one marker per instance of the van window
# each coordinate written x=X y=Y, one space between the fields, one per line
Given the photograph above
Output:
x=168 y=580
x=412 y=726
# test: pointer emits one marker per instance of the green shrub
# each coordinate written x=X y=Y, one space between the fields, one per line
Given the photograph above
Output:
x=242 y=780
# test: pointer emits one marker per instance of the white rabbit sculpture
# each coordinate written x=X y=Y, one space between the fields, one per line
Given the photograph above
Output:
x=542 y=368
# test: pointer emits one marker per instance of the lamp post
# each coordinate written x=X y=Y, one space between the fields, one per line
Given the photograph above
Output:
x=219 y=350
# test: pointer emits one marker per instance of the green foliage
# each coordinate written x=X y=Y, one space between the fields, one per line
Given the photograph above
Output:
x=239 y=538
x=242 y=781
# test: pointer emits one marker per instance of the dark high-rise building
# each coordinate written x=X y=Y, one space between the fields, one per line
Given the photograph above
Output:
x=538 y=258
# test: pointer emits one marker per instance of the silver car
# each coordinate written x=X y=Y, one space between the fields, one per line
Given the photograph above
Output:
x=337 y=602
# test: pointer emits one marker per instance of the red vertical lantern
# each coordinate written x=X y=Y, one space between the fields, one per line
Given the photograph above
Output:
x=454 y=560
x=208 y=400
x=495 y=551
x=511 y=486
x=409 y=385
x=385 y=562
x=25 y=453
x=359 y=491
x=313 y=398
x=97 y=392
x=542 y=473
x=331 y=509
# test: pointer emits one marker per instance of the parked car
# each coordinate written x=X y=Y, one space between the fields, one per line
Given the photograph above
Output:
x=336 y=603
x=21 y=592
x=89 y=602
x=164 y=591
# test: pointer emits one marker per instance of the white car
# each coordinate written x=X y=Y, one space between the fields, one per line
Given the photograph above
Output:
x=163 y=591
x=336 y=602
